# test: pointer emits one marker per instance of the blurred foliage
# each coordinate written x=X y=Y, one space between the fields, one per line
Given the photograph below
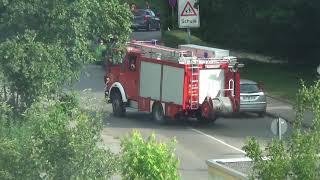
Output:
x=298 y=156
x=282 y=28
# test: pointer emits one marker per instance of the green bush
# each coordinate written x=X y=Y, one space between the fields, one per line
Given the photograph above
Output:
x=177 y=37
x=54 y=143
x=297 y=157
x=148 y=159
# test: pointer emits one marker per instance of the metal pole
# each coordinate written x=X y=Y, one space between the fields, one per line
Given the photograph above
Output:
x=189 y=35
x=279 y=128
x=172 y=17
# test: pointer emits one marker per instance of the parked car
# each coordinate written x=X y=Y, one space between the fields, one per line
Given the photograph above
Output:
x=145 y=19
x=252 y=97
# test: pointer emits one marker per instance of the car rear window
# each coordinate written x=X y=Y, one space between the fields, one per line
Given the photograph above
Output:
x=139 y=13
x=249 y=88
x=152 y=13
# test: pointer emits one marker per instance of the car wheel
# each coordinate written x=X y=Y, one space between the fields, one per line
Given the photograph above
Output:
x=149 y=27
x=157 y=113
x=158 y=27
x=117 y=105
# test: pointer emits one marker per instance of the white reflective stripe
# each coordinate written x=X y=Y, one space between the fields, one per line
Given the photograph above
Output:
x=121 y=89
x=218 y=140
x=151 y=104
x=164 y=108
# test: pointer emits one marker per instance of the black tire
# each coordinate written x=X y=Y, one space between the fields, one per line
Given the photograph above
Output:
x=117 y=105
x=158 y=27
x=149 y=27
x=158 y=114
x=211 y=119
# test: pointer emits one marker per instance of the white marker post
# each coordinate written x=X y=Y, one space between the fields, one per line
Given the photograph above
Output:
x=188 y=15
x=279 y=126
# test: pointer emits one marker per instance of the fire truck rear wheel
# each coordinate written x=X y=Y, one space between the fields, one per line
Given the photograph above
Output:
x=117 y=105
x=157 y=113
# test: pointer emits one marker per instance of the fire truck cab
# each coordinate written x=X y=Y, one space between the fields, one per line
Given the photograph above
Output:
x=170 y=82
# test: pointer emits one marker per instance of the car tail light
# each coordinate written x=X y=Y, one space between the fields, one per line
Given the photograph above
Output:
x=146 y=18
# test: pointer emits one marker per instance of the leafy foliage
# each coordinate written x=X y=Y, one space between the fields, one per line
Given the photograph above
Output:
x=44 y=43
x=148 y=159
x=299 y=157
x=55 y=143
x=31 y=68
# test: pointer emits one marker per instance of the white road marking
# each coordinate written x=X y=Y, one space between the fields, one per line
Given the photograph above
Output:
x=218 y=140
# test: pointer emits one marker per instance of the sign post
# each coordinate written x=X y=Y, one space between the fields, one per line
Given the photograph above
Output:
x=189 y=36
x=172 y=3
x=188 y=15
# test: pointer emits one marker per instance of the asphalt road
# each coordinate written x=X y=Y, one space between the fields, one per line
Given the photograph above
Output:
x=196 y=143
x=146 y=36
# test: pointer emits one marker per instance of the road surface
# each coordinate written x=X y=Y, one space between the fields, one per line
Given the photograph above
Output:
x=146 y=36
x=196 y=143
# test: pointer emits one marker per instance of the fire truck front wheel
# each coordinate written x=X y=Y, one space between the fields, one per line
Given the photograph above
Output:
x=117 y=105
x=157 y=113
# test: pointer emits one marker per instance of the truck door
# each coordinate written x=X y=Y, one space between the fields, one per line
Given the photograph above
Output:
x=130 y=76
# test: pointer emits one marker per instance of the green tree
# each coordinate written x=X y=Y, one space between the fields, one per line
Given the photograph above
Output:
x=297 y=157
x=44 y=43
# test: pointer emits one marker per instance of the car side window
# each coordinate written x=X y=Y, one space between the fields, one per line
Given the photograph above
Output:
x=132 y=62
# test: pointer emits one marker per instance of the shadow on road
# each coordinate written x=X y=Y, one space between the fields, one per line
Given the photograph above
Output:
x=240 y=125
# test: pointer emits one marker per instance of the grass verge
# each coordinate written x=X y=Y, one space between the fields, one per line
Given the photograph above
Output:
x=280 y=80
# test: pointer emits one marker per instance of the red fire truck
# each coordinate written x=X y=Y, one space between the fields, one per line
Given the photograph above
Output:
x=170 y=82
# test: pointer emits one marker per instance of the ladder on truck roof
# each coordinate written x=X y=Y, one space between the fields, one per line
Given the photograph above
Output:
x=150 y=50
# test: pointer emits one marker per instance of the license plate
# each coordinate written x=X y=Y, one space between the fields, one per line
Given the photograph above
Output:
x=249 y=97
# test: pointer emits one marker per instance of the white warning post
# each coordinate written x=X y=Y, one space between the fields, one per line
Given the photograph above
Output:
x=188 y=14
